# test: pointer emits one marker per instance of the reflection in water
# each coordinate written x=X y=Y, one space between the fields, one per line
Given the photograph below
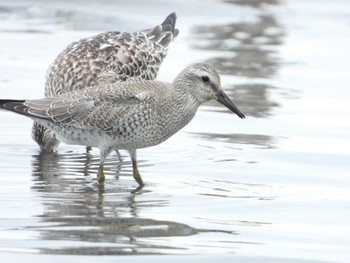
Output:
x=255 y=3
x=248 y=63
x=261 y=141
x=251 y=43
x=28 y=17
x=253 y=98
x=253 y=56
x=66 y=168
x=80 y=217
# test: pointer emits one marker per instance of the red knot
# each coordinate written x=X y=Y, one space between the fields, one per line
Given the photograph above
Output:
x=126 y=115
x=117 y=56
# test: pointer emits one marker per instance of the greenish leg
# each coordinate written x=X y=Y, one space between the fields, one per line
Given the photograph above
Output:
x=100 y=174
x=136 y=173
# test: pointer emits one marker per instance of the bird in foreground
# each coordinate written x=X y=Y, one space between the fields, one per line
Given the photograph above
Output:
x=126 y=115
x=118 y=56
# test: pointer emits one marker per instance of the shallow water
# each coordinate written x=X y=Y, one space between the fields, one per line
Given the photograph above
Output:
x=271 y=188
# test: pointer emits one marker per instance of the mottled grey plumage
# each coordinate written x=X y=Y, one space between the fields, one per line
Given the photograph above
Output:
x=116 y=56
x=126 y=115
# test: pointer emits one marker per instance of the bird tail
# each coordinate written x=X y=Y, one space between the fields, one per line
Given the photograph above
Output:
x=164 y=33
x=20 y=107
x=11 y=105
x=169 y=24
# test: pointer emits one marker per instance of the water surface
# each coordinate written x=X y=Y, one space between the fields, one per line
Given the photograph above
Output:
x=271 y=188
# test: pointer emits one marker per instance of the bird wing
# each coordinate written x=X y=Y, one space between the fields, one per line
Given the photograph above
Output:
x=131 y=56
x=93 y=112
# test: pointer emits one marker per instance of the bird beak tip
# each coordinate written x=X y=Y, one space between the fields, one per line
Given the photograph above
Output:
x=226 y=101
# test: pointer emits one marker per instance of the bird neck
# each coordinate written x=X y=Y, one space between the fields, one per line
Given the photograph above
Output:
x=186 y=104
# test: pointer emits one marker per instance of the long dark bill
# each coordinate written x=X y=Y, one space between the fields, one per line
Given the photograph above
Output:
x=225 y=100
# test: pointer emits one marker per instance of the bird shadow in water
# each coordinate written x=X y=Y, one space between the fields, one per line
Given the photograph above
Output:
x=77 y=170
x=73 y=202
x=70 y=175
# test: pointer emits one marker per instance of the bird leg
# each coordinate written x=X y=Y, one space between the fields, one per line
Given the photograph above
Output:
x=100 y=174
x=136 y=173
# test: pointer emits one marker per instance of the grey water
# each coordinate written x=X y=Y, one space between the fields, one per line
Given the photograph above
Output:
x=271 y=188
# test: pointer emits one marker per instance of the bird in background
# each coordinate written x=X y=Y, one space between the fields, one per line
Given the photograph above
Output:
x=115 y=56
x=114 y=115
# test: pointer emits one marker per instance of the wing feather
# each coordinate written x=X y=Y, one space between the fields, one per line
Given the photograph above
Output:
x=92 y=112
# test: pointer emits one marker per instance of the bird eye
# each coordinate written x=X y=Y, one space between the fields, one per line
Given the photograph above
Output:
x=205 y=78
